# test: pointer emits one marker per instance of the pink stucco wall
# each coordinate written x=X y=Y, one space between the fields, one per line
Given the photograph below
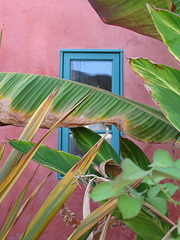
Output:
x=34 y=32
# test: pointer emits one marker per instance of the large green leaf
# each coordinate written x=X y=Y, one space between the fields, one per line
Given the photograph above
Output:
x=129 y=206
x=130 y=150
x=164 y=85
x=51 y=158
x=21 y=94
x=86 y=138
x=168 y=25
x=146 y=224
x=130 y=14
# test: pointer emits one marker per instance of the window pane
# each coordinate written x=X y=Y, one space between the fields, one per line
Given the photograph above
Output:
x=108 y=138
x=99 y=127
x=94 y=73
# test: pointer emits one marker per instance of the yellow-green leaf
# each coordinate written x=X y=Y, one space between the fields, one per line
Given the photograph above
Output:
x=20 y=167
x=60 y=194
x=163 y=83
x=168 y=25
x=13 y=215
x=2 y=147
x=27 y=134
x=93 y=218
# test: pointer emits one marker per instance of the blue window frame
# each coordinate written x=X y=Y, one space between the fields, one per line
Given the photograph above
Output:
x=100 y=62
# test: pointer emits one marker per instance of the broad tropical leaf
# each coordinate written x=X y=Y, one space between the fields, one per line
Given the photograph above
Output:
x=130 y=150
x=139 y=121
x=53 y=159
x=168 y=25
x=161 y=81
x=86 y=138
x=60 y=194
x=151 y=228
x=130 y=14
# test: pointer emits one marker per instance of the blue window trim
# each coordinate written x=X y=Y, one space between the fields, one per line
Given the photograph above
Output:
x=114 y=55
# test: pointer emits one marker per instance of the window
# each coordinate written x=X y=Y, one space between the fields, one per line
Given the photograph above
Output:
x=103 y=68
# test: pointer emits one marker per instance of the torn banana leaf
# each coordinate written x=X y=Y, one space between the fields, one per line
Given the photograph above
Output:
x=21 y=94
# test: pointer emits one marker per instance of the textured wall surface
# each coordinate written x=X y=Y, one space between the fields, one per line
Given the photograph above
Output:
x=34 y=32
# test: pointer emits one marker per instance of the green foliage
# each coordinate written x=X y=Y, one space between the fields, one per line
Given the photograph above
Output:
x=105 y=191
x=53 y=159
x=130 y=150
x=133 y=16
x=129 y=206
x=101 y=107
x=167 y=25
x=159 y=203
x=161 y=81
x=136 y=196
x=131 y=202
x=86 y=138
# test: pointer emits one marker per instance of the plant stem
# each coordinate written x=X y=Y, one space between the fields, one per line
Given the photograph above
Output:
x=165 y=192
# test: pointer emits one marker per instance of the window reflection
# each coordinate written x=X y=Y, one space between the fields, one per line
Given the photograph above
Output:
x=94 y=73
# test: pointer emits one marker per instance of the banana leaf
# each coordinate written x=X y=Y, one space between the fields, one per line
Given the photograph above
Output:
x=53 y=159
x=86 y=138
x=21 y=94
x=168 y=25
x=163 y=83
x=130 y=150
x=132 y=15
